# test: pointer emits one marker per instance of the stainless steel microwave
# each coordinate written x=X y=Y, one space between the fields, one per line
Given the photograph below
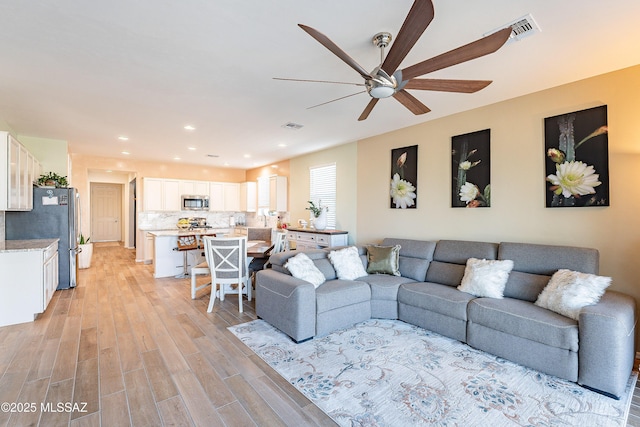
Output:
x=195 y=203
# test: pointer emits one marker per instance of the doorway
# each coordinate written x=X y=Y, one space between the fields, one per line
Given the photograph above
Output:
x=106 y=212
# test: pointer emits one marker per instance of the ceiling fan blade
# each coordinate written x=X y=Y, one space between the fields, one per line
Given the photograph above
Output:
x=337 y=99
x=326 y=42
x=409 y=101
x=417 y=20
x=445 y=85
x=368 y=109
x=318 y=81
x=476 y=49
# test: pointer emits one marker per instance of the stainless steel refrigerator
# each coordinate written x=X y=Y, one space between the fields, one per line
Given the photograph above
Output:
x=55 y=214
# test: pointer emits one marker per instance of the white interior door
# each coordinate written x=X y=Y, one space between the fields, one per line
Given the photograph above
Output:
x=106 y=212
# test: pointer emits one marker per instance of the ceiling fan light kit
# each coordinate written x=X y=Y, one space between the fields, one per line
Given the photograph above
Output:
x=387 y=80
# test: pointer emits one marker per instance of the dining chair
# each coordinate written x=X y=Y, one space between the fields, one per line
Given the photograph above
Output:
x=227 y=260
x=279 y=245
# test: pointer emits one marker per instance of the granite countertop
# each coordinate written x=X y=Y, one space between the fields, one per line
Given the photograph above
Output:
x=313 y=230
x=178 y=232
x=26 y=245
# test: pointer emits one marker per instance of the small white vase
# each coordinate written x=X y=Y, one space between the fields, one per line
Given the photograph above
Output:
x=84 y=256
x=320 y=222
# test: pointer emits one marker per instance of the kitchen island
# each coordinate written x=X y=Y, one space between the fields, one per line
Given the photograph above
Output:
x=167 y=261
x=29 y=278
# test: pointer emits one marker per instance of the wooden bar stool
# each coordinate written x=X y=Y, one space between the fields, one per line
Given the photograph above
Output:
x=185 y=244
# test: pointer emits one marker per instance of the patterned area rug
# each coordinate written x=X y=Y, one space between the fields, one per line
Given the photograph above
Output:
x=389 y=373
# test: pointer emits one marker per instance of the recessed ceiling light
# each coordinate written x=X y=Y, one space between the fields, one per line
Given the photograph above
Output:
x=123 y=138
x=246 y=156
x=191 y=148
x=189 y=127
x=176 y=158
x=125 y=152
x=226 y=164
x=274 y=166
x=109 y=171
x=282 y=145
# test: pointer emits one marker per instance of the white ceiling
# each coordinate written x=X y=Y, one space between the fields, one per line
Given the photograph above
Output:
x=90 y=71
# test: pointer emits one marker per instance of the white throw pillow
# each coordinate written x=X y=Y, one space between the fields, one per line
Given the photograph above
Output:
x=302 y=267
x=486 y=278
x=347 y=263
x=569 y=291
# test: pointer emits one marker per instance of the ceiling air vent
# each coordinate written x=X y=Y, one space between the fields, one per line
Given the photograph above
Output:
x=292 y=126
x=520 y=28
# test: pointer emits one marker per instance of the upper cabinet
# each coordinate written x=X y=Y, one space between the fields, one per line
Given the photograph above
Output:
x=196 y=188
x=161 y=194
x=272 y=193
x=19 y=167
x=224 y=197
x=248 y=197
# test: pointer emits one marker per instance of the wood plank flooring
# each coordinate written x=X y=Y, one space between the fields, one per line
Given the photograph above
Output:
x=125 y=349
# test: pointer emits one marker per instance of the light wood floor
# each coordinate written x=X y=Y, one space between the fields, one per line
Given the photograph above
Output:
x=129 y=349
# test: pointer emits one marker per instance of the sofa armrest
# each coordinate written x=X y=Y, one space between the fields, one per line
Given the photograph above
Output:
x=607 y=343
x=287 y=303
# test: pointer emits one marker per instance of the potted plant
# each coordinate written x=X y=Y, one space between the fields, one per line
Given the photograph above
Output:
x=52 y=179
x=319 y=213
x=85 y=253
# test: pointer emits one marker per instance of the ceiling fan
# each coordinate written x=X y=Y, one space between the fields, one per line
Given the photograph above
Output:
x=387 y=80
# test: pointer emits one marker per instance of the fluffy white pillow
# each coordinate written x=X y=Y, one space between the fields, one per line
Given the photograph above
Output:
x=347 y=263
x=302 y=267
x=486 y=278
x=569 y=291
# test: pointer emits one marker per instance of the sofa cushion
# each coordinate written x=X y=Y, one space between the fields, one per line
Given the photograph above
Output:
x=341 y=293
x=450 y=258
x=568 y=292
x=301 y=267
x=525 y=320
x=384 y=286
x=485 y=278
x=435 y=297
x=347 y=263
x=534 y=264
x=415 y=256
x=383 y=259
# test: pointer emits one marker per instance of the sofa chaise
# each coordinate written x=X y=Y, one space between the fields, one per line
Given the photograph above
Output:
x=596 y=350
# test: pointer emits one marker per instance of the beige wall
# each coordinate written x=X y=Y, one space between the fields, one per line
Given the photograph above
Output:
x=346 y=159
x=53 y=154
x=518 y=210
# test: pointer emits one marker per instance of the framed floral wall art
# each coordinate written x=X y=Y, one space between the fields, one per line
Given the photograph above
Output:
x=471 y=170
x=577 y=159
x=404 y=177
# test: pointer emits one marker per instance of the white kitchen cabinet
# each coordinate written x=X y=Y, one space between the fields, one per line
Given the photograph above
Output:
x=303 y=239
x=194 y=188
x=17 y=169
x=248 y=197
x=278 y=193
x=224 y=197
x=231 y=193
x=161 y=194
x=272 y=193
x=216 y=197
x=30 y=277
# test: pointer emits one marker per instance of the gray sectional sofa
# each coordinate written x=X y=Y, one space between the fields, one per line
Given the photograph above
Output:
x=597 y=351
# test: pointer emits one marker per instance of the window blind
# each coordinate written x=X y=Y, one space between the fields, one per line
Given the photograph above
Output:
x=322 y=189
